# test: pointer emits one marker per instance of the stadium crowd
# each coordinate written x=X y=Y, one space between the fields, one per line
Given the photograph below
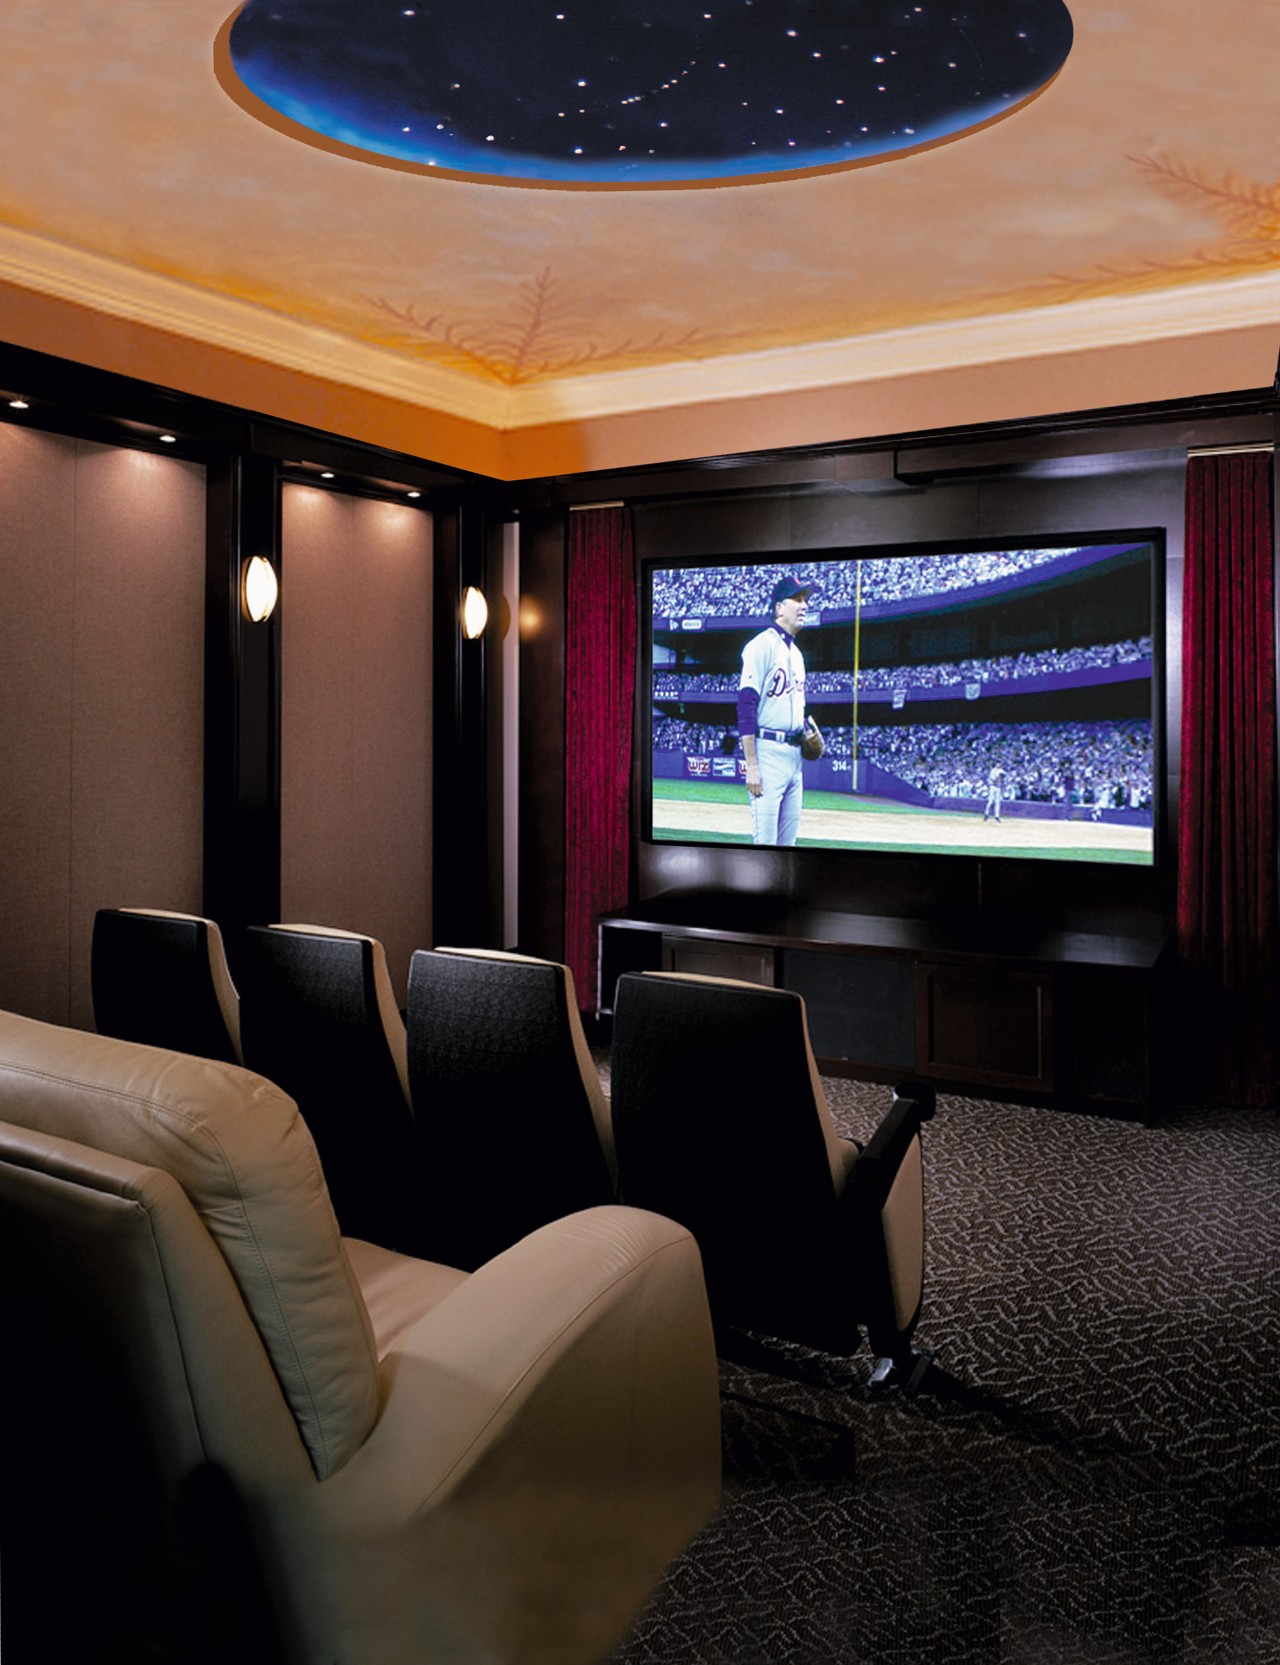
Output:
x=670 y=734
x=1106 y=765
x=669 y=685
x=742 y=592
x=1075 y=763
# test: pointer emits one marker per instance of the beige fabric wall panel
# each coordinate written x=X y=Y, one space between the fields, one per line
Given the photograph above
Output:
x=137 y=788
x=101 y=745
x=356 y=719
x=37 y=569
x=316 y=742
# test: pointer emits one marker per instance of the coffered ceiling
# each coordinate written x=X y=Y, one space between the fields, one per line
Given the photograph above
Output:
x=1116 y=238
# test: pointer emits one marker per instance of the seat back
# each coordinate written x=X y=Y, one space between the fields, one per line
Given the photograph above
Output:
x=513 y=1120
x=319 y=1018
x=240 y=1152
x=189 y=1358
x=717 y=1123
x=145 y=1401
x=162 y=979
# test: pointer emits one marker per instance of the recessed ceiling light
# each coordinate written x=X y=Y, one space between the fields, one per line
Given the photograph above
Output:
x=415 y=494
x=326 y=474
x=19 y=404
x=168 y=439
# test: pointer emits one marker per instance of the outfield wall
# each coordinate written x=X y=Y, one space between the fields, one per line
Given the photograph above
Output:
x=832 y=775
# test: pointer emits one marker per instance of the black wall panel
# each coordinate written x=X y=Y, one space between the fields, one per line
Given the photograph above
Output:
x=1070 y=494
x=861 y=1007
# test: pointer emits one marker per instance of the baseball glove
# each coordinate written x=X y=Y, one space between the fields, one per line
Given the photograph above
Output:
x=813 y=745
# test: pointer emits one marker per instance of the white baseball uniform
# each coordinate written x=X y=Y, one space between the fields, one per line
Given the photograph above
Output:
x=995 y=793
x=773 y=666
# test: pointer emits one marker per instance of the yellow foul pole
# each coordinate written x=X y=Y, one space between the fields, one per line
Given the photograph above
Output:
x=857 y=655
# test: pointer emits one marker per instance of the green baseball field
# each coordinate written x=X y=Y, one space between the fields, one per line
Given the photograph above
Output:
x=716 y=812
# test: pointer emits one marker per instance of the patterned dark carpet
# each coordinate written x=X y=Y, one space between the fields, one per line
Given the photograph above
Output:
x=1091 y=1473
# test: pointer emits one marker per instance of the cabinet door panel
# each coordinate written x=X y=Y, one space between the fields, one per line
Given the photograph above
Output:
x=1107 y=1047
x=985 y=1025
x=861 y=1007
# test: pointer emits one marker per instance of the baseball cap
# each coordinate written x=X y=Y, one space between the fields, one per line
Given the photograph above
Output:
x=786 y=587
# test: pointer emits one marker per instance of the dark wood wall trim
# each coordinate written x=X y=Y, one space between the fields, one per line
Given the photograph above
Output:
x=76 y=399
x=242 y=702
x=248 y=455
x=460 y=839
x=247 y=458
x=917 y=457
x=543 y=608
x=732 y=498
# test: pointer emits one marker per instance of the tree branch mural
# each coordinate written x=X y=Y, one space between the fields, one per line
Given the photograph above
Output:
x=1250 y=213
x=540 y=337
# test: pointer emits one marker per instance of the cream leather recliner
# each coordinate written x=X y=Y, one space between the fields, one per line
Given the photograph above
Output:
x=235 y=1434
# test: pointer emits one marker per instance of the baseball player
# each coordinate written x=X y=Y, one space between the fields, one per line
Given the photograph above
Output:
x=771 y=718
x=995 y=792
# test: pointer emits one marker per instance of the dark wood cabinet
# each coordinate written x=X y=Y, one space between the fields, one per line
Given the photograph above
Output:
x=977 y=1004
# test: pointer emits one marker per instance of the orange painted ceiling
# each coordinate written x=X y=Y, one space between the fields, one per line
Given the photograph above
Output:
x=1116 y=239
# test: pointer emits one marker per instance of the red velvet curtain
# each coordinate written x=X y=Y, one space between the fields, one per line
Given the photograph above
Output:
x=599 y=691
x=1227 y=809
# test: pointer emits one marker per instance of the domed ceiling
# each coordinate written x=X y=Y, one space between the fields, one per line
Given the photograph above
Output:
x=643 y=92
x=1111 y=237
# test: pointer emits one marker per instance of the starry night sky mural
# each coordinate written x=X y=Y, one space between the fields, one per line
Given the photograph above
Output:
x=644 y=92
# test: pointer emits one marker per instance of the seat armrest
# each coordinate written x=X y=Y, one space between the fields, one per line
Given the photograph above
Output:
x=536 y=1309
x=877 y=1167
x=883 y=1211
x=559 y=1407
x=924 y=1097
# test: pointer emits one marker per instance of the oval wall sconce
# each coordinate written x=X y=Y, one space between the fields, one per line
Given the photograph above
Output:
x=475 y=612
x=260 y=589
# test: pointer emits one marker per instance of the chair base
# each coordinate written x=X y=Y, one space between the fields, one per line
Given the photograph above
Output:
x=826 y=1369
x=902 y=1375
x=826 y=1372
x=841 y=1460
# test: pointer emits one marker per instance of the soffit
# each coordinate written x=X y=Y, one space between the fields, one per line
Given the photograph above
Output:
x=1119 y=237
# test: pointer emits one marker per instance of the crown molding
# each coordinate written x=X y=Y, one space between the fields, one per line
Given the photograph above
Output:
x=1069 y=328
x=242 y=326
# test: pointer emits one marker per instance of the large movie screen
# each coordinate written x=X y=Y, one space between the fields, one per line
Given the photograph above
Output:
x=974 y=701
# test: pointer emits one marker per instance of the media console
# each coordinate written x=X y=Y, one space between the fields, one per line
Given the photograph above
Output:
x=990 y=1006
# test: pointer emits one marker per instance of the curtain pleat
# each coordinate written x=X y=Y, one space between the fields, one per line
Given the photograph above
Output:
x=600 y=641
x=1227 y=806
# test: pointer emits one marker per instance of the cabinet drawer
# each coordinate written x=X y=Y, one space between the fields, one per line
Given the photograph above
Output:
x=704 y=957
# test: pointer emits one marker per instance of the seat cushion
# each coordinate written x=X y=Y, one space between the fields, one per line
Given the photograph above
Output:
x=397 y=1289
x=244 y=1157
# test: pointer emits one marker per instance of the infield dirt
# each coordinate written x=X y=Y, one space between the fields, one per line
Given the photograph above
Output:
x=945 y=830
